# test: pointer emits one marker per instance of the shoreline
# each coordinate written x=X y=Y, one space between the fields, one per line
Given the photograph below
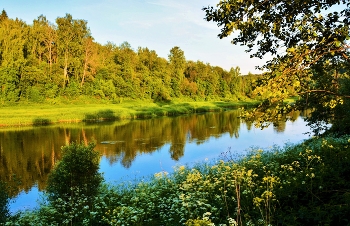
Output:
x=35 y=114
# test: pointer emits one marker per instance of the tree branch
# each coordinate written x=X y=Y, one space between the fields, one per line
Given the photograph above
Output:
x=324 y=91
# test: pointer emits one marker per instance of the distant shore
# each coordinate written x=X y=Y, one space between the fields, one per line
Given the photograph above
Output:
x=36 y=114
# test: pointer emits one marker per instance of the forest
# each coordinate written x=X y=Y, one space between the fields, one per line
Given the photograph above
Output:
x=46 y=61
x=298 y=184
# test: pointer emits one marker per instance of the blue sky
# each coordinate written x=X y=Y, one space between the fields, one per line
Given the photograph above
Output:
x=156 y=24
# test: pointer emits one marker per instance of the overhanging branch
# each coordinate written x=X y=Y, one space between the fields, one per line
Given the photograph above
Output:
x=325 y=91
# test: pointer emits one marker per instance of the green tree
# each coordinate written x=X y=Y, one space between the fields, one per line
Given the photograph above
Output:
x=3 y=15
x=177 y=63
x=106 y=67
x=42 y=42
x=162 y=82
x=73 y=185
x=212 y=82
x=199 y=73
x=126 y=60
x=71 y=34
x=106 y=56
x=13 y=54
x=77 y=171
x=309 y=44
x=89 y=59
x=235 y=82
x=41 y=52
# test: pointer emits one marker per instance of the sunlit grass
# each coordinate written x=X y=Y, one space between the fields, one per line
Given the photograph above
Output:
x=37 y=114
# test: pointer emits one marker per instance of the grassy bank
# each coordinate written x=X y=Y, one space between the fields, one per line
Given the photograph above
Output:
x=24 y=114
x=306 y=184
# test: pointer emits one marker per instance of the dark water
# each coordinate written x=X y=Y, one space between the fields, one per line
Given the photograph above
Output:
x=133 y=149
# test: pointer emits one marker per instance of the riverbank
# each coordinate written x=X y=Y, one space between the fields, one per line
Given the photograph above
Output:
x=304 y=184
x=29 y=114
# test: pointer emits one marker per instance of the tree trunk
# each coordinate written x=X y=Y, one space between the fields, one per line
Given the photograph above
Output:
x=85 y=68
x=65 y=70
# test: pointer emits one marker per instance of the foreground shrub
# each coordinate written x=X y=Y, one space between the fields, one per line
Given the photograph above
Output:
x=74 y=183
x=297 y=185
x=76 y=172
x=4 y=203
x=315 y=187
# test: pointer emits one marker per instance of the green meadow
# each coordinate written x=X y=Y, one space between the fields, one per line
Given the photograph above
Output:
x=26 y=114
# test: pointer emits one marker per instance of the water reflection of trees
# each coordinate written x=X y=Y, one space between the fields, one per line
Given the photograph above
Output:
x=279 y=125
x=144 y=136
x=26 y=157
x=30 y=154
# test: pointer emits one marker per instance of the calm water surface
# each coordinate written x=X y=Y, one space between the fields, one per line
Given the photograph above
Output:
x=134 y=149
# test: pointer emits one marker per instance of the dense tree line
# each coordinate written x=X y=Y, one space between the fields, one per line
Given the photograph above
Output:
x=45 y=60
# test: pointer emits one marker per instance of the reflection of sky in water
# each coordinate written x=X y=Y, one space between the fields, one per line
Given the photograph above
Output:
x=25 y=200
x=147 y=164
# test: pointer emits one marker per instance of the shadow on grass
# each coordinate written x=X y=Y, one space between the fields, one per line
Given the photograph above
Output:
x=236 y=105
x=105 y=115
x=145 y=113
x=164 y=102
x=41 y=122
x=166 y=110
x=206 y=109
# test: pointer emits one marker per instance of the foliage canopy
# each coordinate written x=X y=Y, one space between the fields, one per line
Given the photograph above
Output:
x=309 y=44
x=53 y=61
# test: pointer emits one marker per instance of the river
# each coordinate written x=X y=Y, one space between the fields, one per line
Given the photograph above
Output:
x=133 y=150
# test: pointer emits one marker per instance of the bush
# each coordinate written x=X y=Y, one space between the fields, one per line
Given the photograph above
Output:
x=4 y=203
x=74 y=183
x=78 y=169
